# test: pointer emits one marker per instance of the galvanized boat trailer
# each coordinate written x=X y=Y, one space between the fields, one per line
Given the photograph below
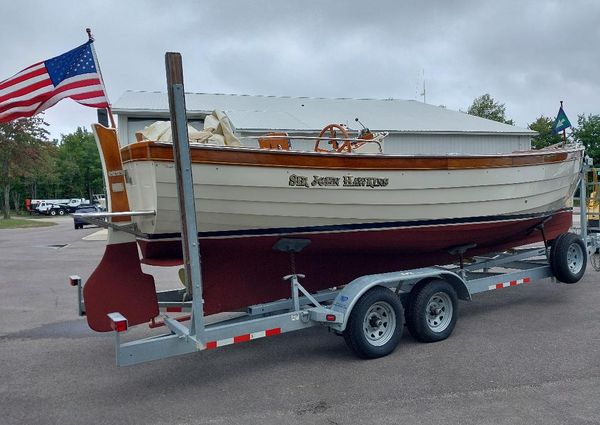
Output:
x=370 y=311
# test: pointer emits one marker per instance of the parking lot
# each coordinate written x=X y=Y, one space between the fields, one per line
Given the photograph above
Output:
x=528 y=354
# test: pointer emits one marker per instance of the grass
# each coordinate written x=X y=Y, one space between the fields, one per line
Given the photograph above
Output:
x=19 y=223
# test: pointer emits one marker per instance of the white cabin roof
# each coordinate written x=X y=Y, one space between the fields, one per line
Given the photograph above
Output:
x=261 y=113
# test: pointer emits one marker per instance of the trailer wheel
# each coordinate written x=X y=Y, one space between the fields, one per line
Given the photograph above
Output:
x=375 y=325
x=432 y=311
x=568 y=258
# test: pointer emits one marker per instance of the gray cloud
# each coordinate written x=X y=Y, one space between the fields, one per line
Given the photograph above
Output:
x=528 y=55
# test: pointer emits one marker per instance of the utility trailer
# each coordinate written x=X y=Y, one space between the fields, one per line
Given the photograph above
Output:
x=370 y=311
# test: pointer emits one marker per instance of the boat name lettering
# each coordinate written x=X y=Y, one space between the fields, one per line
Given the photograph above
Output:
x=365 y=181
x=298 y=180
x=325 y=181
x=346 y=181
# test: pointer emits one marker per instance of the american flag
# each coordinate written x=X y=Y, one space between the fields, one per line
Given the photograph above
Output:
x=73 y=74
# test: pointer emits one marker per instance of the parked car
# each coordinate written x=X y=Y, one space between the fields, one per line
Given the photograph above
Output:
x=78 y=223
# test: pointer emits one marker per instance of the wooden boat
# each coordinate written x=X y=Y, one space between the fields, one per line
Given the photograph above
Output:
x=357 y=214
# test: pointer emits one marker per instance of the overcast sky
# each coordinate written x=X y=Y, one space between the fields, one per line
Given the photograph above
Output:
x=528 y=55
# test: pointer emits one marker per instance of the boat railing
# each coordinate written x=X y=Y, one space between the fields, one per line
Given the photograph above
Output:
x=304 y=142
x=305 y=137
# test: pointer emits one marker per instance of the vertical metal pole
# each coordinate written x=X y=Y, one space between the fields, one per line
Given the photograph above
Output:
x=564 y=135
x=583 y=217
x=80 y=304
x=185 y=190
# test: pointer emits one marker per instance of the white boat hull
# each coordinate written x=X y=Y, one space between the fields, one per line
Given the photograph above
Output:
x=239 y=198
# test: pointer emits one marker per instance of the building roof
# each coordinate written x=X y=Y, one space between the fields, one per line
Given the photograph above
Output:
x=305 y=114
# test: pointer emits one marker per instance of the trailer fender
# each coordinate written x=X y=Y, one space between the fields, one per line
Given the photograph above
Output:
x=453 y=279
x=402 y=282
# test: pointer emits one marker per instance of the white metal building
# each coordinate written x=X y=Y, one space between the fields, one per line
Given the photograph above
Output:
x=414 y=127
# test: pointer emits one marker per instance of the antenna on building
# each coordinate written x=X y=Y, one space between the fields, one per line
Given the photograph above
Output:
x=424 y=92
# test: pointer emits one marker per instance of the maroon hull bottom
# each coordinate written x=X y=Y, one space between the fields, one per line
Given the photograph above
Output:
x=241 y=271
x=119 y=285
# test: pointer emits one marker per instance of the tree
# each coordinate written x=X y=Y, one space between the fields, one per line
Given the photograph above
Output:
x=79 y=166
x=545 y=136
x=588 y=133
x=486 y=107
x=21 y=145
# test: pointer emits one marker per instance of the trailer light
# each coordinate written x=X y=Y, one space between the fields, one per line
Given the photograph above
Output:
x=330 y=317
x=117 y=322
x=120 y=326
x=74 y=280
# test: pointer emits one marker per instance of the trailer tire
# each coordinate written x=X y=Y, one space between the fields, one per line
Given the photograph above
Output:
x=568 y=258
x=432 y=310
x=375 y=325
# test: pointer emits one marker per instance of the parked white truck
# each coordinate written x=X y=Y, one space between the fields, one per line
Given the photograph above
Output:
x=57 y=206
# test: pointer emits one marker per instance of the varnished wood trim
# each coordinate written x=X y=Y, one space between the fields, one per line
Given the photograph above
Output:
x=155 y=151
x=114 y=174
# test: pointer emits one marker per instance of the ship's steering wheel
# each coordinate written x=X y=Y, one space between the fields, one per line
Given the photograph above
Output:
x=340 y=144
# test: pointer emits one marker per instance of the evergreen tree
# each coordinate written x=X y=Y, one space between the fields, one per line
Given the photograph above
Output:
x=79 y=166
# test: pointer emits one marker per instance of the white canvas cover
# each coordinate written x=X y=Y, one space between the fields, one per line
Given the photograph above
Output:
x=218 y=131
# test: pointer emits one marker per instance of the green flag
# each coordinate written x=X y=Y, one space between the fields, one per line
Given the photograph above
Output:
x=561 y=122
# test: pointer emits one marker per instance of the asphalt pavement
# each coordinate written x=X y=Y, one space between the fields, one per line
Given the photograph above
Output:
x=523 y=355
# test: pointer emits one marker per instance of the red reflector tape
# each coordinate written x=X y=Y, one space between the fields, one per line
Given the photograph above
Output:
x=509 y=283
x=274 y=331
x=242 y=338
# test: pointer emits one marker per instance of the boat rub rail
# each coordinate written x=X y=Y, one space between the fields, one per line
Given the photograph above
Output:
x=156 y=151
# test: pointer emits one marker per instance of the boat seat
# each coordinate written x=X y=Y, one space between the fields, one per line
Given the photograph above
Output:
x=461 y=249
x=275 y=140
x=291 y=244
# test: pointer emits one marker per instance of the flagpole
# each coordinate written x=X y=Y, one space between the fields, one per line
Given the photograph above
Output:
x=108 y=108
